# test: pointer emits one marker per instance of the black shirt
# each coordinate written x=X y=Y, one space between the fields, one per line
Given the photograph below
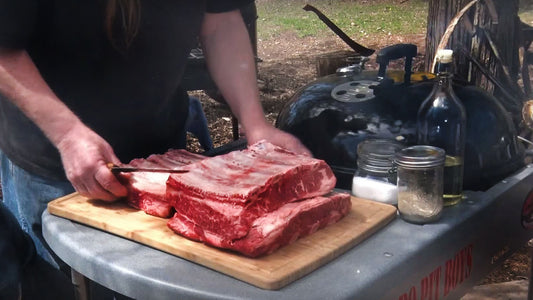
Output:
x=131 y=98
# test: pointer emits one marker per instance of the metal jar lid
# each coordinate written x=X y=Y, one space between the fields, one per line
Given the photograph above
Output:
x=377 y=154
x=420 y=156
x=378 y=151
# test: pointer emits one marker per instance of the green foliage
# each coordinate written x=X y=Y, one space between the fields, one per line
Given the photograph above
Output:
x=526 y=15
x=526 y=11
x=356 y=18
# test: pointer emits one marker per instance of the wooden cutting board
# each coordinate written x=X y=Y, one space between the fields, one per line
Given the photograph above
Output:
x=269 y=272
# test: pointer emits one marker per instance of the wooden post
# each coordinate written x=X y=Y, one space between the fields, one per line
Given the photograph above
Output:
x=485 y=41
x=328 y=63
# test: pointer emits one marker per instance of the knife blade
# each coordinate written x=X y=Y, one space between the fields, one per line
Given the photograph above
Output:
x=118 y=169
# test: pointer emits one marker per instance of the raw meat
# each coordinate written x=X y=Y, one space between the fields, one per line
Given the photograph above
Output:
x=275 y=229
x=146 y=190
x=227 y=193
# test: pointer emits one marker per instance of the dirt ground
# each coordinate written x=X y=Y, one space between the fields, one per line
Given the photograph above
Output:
x=289 y=63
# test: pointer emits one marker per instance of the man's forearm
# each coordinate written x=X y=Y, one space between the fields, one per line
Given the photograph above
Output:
x=21 y=82
x=231 y=63
x=84 y=153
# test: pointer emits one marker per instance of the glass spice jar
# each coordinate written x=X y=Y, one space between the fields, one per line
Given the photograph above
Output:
x=420 y=171
x=375 y=178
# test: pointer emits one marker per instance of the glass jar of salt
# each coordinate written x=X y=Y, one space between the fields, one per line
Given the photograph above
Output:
x=420 y=171
x=375 y=178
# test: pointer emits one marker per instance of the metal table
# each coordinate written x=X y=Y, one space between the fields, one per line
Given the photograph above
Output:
x=401 y=261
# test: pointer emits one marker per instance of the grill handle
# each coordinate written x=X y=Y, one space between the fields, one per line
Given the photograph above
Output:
x=394 y=52
x=354 y=45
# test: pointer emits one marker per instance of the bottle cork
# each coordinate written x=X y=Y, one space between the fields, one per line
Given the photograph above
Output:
x=445 y=56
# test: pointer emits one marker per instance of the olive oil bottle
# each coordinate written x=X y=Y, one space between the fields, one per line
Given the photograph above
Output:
x=441 y=122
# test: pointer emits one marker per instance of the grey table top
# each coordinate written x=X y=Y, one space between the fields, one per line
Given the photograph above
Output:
x=387 y=265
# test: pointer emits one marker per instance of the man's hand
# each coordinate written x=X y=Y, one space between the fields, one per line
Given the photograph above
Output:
x=277 y=137
x=85 y=156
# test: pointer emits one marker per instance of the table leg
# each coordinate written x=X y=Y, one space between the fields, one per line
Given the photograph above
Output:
x=81 y=285
x=530 y=285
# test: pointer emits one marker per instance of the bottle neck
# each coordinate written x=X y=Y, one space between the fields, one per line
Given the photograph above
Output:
x=443 y=67
x=444 y=74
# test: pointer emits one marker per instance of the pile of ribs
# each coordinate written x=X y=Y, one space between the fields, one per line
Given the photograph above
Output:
x=252 y=201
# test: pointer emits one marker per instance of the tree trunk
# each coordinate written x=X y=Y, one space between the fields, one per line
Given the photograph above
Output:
x=485 y=42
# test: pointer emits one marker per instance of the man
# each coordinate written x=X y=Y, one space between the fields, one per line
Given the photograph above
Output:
x=25 y=275
x=84 y=83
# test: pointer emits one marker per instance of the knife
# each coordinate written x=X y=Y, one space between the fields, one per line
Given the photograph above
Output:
x=117 y=169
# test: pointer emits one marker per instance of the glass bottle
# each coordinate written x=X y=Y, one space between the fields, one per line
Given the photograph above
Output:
x=441 y=123
x=375 y=178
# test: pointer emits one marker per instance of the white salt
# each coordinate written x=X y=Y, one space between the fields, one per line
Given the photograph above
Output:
x=376 y=190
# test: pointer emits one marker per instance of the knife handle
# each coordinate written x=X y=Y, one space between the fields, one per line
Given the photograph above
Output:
x=113 y=168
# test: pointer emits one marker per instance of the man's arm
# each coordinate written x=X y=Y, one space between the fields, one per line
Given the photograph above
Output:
x=84 y=153
x=231 y=63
